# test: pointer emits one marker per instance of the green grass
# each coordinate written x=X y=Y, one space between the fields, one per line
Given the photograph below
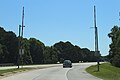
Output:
x=13 y=70
x=107 y=72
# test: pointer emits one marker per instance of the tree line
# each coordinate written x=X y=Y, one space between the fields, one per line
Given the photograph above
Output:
x=35 y=51
x=114 y=52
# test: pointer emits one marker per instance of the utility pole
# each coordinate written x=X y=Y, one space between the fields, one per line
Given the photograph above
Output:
x=96 y=39
x=21 y=48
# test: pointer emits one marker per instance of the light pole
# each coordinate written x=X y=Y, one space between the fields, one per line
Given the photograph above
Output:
x=96 y=39
x=21 y=48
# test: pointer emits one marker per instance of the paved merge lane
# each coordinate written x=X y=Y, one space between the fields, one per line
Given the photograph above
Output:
x=56 y=73
x=78 y=72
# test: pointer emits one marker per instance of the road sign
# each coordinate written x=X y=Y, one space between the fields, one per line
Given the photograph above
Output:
x=21 y=51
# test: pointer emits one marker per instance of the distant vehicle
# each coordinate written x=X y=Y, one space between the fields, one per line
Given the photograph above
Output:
x=67 y=63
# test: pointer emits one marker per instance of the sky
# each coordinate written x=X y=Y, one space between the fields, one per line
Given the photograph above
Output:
x=51 y=21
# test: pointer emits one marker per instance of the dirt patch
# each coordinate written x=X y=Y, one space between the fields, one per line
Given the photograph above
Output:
x=7 y=74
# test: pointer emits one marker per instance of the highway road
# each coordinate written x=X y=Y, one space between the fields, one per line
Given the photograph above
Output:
x=77 y=72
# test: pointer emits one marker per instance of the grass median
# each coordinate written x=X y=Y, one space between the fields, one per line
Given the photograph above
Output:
x=107 y=71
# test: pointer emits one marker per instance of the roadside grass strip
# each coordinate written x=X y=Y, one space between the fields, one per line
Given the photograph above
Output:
x=107 y=71
x=12 y=71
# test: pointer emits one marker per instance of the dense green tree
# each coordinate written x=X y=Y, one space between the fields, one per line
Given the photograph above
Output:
x=74 y=53
x=65 y=50
x=9 y=43
x=105 y=58
x=116 y=60
x=114 y=52
x=2 y=34
x=86 y=54
x=50 y=55
x=27 y=59
x=1 y=51
x=36 y=50
x=4 y=54
x=78 y=52
x=89 y=56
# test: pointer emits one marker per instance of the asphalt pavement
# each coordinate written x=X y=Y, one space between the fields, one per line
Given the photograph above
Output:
x=77 y=72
